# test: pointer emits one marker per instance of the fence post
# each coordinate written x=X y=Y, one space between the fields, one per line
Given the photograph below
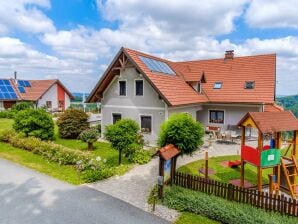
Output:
x=230 y=192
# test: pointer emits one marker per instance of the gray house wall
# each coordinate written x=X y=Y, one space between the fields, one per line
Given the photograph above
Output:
x=193 y=110
x=131 y=106
x=232 y=114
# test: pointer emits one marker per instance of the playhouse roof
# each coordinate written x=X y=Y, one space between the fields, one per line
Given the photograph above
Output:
x=272 y=121
x=169 y=151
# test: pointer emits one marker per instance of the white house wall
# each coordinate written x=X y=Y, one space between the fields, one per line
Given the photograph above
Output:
x=191 y=110
x=1 y=105
x=131 y=106
x=67 y=101
x=50 y=95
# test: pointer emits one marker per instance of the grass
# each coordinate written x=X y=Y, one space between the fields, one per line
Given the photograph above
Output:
x=225 y=174
x=33 y=161
x=62 y=172
x=191 y=218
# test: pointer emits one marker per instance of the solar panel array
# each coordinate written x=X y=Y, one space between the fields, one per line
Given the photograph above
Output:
x=157 y=66
x=24 y=83
x=6 y=90
x=21 y=89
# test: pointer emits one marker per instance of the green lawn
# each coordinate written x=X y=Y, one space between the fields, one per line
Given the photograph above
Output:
x=225 y=174
x=5 y=124
x=66 y=173
x=28 y=159
x=191 y=218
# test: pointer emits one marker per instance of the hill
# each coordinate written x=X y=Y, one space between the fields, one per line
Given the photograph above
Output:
x=289 y=103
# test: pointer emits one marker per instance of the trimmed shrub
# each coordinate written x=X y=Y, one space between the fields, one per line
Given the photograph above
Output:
x=122 y=134
x=220 y=209
x=6 y=114
x=22 y=106
x=71 y=123
x=182 y=131
x=36 y=123
x=140 y=156
x=89 y=136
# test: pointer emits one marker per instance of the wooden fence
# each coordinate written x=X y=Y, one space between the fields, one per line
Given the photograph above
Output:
x=280 y=203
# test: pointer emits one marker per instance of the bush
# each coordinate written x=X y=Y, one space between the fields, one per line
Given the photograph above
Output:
x=182 y=131
x=140 y=156
x=89 y=136
x=22 y=106
x=71 y=123
x=122 y=134
x=220 y=209
x=6 y=114
x=36 y=123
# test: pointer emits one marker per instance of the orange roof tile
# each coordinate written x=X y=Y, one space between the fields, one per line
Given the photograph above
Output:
x=233 y=73
x=273 y=121
x=272 y=108
x=169 y=151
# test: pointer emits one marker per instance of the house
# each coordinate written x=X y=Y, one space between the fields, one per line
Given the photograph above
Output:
x=49 y=93
x=217 y=92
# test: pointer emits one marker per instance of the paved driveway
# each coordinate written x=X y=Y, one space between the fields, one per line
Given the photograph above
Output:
x=30 y=197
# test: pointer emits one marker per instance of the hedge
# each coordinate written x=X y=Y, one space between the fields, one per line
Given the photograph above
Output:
x=220 y=209
x=91 y=168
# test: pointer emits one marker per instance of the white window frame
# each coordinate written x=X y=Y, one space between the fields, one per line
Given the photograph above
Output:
x=224 y=117
x=140 y=120
x=215 y=83
x=135 y=88
x=122 y=80
x=112 y=118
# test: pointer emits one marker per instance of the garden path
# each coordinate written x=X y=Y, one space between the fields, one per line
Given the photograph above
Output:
x=134 y=186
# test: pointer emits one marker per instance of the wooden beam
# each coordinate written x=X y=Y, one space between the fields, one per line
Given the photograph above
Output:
x=243 y=136
x=295 y=142
x=260 y=141
x=259 y=178
x=242 y=173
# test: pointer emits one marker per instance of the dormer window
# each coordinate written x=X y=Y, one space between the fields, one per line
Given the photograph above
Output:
x=249 y=84
x=217 y=85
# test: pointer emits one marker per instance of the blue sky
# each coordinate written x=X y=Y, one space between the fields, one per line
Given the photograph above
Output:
x=75 y=40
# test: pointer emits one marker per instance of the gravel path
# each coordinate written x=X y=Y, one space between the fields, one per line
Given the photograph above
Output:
x=135 y=186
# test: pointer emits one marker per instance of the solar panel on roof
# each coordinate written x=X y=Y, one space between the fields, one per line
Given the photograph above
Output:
x=21 y=89
x=157 y=66
x=27 y=83
x=6 y=90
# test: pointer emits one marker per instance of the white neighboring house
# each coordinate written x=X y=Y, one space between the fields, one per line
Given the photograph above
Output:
x=50 y=93
x=216 y=92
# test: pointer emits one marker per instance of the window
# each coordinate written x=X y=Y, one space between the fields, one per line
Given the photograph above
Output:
x=116 y=117
x=249 y=85
x=61 y=104
x=199 y=87
x=49 y=104
x=217 y=85
x=146 y=123
x=139 y=87
x=122 y=88
x=216 y=116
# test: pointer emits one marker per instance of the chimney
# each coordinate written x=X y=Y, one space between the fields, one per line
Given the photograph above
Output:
x=15 y=77
x=229 y=55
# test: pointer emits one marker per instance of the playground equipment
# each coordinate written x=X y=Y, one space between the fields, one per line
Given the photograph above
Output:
x=285 y=169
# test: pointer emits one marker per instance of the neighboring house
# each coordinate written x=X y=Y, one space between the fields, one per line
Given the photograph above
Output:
x=49 y=93
x=216 y=92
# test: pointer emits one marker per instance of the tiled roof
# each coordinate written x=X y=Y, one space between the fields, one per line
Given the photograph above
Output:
x=169 y=151
x=233 y=73
x=38 y=89
x=273 y=121
x=272 y=108
x=172 y=87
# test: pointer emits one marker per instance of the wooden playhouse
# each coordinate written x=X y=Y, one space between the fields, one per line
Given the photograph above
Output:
x=283 y=162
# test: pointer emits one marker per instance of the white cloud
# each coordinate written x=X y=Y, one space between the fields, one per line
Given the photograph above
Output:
x=182 y=18
x=272 y=14
x=24 y=15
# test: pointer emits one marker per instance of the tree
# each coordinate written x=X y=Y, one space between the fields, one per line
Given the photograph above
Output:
x=182 y=131
x=122 y=134
x=37 y=123
x=71 y=123
x=90 y=136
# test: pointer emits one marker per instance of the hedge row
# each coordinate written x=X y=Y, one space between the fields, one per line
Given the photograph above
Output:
x=220 y=209
x=91 y=169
